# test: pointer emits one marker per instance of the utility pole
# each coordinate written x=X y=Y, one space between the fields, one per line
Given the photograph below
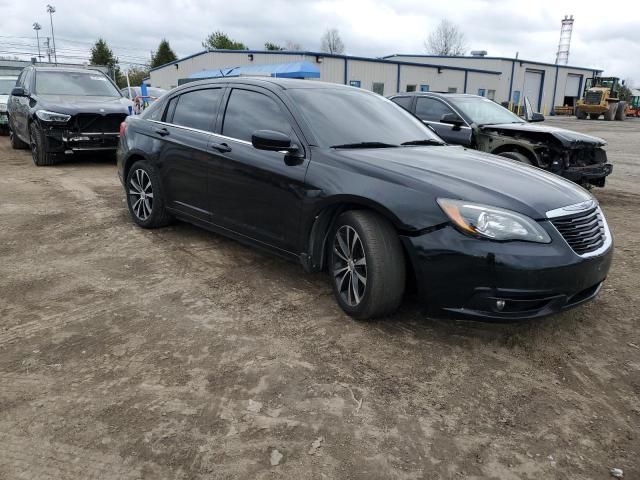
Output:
x=37 y=27
x=51 y=10
x=48 y=49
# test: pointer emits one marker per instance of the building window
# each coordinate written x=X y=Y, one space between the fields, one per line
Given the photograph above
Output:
x=491 y=95
x=424 y=88
x=411 y=88
x=481 y=92
x=355 y=83
x=378 y=88
x=452 y=90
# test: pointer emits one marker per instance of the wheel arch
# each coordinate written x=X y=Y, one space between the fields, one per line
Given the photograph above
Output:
x=133 y=157
x=511 y=147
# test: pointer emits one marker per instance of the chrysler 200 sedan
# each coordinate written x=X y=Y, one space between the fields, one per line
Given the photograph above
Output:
x=343 y=180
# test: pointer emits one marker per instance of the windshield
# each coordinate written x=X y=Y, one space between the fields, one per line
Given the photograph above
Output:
x=75 y=83
x=343 y=116
x=483 y=111
x=6 y=85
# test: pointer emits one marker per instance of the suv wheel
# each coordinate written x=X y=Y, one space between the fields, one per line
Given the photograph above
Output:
x=366 y=264
x=16 y=143
x=144 y=196
x=41 y=157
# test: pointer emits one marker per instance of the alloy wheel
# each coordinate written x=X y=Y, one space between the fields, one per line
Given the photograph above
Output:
x=349 y=265
x=141 y=194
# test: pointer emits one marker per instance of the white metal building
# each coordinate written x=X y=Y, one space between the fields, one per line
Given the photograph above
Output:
x=500 y=79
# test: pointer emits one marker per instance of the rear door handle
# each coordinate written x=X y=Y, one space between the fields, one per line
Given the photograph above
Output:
x=163 y=132
x=221 y=147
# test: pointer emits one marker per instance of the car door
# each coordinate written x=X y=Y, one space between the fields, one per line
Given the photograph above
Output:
x=20 y=106
x=431 y=110
x=254 y=192
x=184 y=156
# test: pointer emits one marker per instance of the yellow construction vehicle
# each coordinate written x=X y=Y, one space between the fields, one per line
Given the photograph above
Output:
x=601 y=97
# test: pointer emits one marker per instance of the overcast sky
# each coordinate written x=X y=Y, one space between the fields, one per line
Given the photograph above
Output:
x=605 y=36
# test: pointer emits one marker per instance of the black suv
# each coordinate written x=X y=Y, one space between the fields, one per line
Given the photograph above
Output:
x=480 y=123
x=59 y=111
x=342 y=179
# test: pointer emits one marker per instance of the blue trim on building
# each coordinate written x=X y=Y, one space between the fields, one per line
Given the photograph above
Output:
x=466 y=74
x=331 y=55
x=580 y=87
x=513 y=68
x=398 y=80
x=488 y=58
x=345 y=70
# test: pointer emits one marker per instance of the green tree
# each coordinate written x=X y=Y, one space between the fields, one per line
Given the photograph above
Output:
x=221 y=41
x=136 y=76
x=273 y=46
x=163 y=54
x=101 y=54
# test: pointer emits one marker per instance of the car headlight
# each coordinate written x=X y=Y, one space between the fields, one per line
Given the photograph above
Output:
x=47 y=116
x=492 y=222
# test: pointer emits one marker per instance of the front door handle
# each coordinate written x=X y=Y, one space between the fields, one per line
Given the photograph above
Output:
x=221 y=147
x=163 y=132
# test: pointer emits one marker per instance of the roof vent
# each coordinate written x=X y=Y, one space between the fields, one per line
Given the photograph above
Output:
x=478 y=53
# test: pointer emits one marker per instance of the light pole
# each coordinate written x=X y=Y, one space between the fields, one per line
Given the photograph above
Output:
x=37 y=27
x=51 y=10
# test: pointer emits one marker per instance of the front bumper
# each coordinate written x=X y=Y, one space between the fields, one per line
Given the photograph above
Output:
x=61 y=140
x=463 y=277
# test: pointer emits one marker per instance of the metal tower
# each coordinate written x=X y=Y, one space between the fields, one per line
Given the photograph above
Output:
x=562 y=57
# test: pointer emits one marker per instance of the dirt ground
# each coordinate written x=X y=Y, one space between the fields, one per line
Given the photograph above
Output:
x=179 y=354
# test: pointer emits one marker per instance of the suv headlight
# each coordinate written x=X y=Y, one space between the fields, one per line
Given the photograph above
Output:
x=492 y=222
x=47 y=116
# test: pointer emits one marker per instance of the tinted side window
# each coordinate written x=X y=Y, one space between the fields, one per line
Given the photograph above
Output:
x=248 y=111
x=430 y=109
x=197 y=109
x=404 y=102
x=26 y=81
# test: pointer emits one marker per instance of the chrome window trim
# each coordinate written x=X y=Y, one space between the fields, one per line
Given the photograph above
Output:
x=578 y=208
x=465 y=126
x=197 y=130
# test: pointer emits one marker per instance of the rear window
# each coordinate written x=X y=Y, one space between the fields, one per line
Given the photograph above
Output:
x=75 y=83
x=404 y=102
x=197 y=109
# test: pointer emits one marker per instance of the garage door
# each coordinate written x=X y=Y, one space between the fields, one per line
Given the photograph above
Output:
x=532 y=84
x=572 y=88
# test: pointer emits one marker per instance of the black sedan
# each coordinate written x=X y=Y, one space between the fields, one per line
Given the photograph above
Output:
x=61 y=111
x=343 y=180
x=480 y=123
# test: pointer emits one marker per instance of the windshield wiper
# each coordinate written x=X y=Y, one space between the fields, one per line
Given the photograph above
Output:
x=426 y=141
x=365 y=145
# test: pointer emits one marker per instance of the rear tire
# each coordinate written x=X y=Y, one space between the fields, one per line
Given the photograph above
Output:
x=366 y=264
x=580 y=115
x=144 y=196
x=16 y=143
x=620 y=115
x=41 y=157
x=594 y=116
x=611 y=111
x=517 y=156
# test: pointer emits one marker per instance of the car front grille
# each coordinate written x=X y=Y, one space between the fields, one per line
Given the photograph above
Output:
x=585 y=232
x=88 y=122
x=593 y=98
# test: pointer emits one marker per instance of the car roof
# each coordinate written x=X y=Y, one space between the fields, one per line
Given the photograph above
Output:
x=64 y=69
x=283 y=83
x=8 y=77
x=434 y=94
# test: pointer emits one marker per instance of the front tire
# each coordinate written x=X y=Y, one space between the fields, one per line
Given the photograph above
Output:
x=519 y=157
x=41 y=157
x=580 y=115
x=366 y=264
x=611 y=111
x=144 y=196
x=620 y=111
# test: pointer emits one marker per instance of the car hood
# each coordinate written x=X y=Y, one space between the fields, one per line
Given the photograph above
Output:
x=459 y=173
x=72 y=105
x=568 y=138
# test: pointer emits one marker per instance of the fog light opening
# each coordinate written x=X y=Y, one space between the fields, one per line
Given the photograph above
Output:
x=500 y=304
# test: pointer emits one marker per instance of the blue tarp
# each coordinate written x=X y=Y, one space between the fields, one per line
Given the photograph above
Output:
x=279 y=70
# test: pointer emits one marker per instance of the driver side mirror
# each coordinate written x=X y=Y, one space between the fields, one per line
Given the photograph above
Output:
x=18 y=92
x=536 y=117
x=273 y=141
x=452 y=119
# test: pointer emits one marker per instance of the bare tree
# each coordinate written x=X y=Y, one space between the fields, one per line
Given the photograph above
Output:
x=293 y=46
x=446 y=39
x=331 y=42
